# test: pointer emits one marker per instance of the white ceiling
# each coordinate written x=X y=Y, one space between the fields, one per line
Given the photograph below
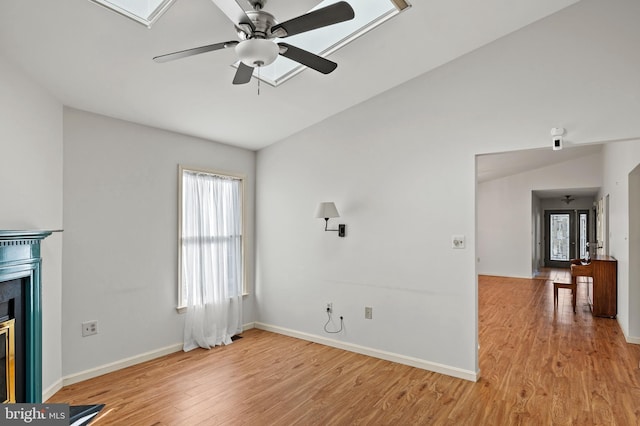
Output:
x=95 y=60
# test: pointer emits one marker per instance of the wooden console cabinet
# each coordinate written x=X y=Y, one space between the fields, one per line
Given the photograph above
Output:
x=603 y=288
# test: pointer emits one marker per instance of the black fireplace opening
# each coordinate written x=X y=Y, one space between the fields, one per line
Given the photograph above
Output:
x=12 y=308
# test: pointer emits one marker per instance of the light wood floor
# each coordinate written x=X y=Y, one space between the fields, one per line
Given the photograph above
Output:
x=540 y=365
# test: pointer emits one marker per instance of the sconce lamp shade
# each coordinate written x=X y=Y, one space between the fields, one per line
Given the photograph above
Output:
x=327 y=210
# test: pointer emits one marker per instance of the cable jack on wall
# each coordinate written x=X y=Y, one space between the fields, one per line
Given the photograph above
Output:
x=329 y=312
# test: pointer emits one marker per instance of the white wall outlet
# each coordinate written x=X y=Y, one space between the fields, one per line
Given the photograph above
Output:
x=329 y=308
x=368 y=312
x=457 y=241
x=89 y=328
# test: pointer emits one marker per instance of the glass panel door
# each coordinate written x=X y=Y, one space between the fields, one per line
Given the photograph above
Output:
x=566 y=237
x=559 y=238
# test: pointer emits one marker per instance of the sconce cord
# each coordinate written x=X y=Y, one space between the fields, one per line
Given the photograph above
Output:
x=329 y=320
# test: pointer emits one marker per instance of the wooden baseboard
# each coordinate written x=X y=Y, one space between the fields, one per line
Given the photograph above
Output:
x=375 y=353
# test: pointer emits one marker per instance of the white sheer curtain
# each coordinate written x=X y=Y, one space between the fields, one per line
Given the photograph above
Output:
x=211 y=258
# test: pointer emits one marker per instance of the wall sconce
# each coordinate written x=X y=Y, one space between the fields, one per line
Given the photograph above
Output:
x=327 y=210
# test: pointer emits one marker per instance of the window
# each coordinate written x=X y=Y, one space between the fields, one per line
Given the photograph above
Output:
x=211 y=246
x=145 y=12
x=583 y=233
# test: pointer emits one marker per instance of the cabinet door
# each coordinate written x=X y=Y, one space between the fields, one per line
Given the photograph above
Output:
x=605 y=288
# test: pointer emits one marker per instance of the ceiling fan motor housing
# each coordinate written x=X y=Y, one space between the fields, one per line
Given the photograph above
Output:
x=262 y=21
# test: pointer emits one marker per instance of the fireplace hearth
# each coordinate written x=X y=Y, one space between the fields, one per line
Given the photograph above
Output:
x=21 y=316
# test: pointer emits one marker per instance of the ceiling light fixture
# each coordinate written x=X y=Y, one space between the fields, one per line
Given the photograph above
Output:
x=257 y=52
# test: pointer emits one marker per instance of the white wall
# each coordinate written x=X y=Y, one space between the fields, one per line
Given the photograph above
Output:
x=400 y=168
x=31 y=191
x=620 y=159
x=120 y=254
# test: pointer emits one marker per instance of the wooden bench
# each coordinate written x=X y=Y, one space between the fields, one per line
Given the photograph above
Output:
x=571 y=286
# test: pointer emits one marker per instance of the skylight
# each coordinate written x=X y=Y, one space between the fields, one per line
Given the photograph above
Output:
x=145 y=12
x=324 y=41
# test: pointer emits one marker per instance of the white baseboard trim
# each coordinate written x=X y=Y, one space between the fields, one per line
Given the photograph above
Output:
x=375 y=353
x=389 y=356
x=629 y=339
x=51 y=390
x=633 y=340
x=118 y=365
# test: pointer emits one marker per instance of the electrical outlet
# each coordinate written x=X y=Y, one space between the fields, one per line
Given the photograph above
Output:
x=368 y=312
x=457 y=241
x=89 y=328
x=329 y=307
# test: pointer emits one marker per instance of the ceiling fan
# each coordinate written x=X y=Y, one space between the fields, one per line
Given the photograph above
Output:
x=257 y=30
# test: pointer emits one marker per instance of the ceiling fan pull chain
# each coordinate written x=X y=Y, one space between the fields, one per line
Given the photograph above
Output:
x=258 y=81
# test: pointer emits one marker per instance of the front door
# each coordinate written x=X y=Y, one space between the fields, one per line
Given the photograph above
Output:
x=566 y=234
x=602 y=226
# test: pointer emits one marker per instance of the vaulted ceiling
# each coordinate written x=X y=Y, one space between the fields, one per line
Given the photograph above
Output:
x=95 y=60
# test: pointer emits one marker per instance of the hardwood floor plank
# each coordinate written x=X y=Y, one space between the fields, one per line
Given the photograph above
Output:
x=540 y=364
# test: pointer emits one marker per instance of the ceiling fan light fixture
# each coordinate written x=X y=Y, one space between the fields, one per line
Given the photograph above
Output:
x=257 y=52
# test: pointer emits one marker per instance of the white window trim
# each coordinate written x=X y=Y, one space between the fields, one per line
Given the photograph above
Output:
x=181 y=308
x=147 y=21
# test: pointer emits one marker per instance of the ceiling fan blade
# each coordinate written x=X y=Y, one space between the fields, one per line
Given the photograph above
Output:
x=309 y=59
x=236 y=11
x=333 y=14
x=194 y=51
x=243 y=75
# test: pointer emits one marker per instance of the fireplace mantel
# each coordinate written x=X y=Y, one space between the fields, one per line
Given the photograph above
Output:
x=24 y=236
x=20 y=259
